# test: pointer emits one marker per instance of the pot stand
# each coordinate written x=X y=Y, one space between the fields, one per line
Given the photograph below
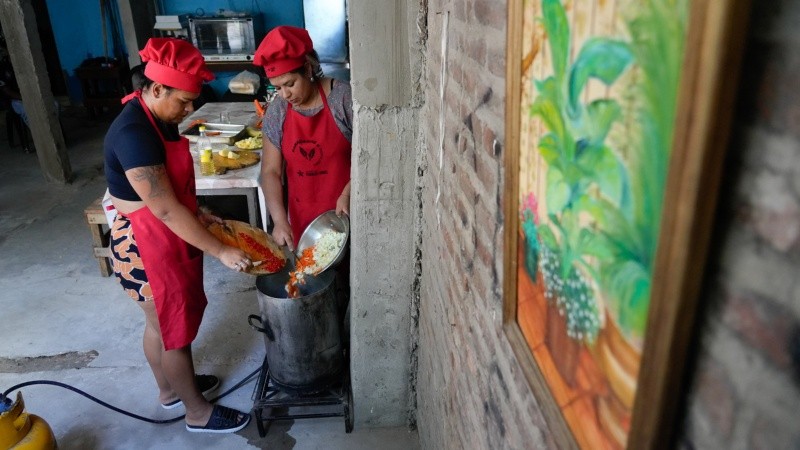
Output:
x=268 y=397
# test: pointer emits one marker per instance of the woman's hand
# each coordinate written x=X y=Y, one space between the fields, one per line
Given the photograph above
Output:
x=234 y=258
x=282 y=233
x=343 y=202
x=343 y=205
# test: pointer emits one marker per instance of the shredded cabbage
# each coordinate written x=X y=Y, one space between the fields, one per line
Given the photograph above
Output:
x=327 y=248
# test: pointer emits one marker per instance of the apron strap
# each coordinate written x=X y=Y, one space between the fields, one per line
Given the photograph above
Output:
x=137 y=94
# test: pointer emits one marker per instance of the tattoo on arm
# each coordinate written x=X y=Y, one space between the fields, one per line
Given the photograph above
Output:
x=151 y=175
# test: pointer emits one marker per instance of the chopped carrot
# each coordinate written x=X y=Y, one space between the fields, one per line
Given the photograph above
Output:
x=270 y=261
x=259 y=108
x=306 y=261
x=197 y=122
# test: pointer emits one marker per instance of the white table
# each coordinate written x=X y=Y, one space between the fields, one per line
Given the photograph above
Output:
x=234 y=182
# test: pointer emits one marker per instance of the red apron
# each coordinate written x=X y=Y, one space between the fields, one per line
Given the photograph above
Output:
x=174 y=268
x=317 y=164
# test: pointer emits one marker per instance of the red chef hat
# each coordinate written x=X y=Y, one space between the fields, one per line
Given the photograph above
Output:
x=283 y=49
x=175 y=63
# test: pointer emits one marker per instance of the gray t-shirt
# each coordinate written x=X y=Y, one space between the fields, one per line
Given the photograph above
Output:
x=340 y=100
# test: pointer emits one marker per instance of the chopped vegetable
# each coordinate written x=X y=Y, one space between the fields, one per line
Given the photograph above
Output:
x=251 y=143
x=196 y=122
x=305 y=264
x=315 y=258
x=259 y=108
x=270 y=261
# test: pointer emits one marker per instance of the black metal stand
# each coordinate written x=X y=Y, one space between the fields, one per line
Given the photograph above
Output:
x=267 y=397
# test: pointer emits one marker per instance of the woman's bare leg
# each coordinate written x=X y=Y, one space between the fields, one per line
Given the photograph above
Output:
x=153 y=348
x=173 y=370
x=178 y=368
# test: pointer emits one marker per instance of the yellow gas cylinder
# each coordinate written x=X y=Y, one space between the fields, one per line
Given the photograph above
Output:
x=22 y=431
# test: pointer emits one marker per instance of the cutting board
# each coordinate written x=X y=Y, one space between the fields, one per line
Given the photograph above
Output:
x=258 y=245
x=223 y=164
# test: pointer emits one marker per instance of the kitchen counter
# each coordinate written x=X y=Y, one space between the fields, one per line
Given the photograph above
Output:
x=234 y=182
x=240 y=113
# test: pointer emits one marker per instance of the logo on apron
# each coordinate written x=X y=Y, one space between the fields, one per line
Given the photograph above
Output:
x=310 y=150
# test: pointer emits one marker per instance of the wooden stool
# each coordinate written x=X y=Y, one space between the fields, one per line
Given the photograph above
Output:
x=96 y=220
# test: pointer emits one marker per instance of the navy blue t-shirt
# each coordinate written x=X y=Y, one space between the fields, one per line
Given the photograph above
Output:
x=132 y=142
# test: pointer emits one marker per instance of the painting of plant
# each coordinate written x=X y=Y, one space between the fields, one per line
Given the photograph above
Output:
x=600 y=88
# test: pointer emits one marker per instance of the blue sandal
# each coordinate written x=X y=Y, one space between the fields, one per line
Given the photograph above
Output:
x=205 y=383
x=222 y=420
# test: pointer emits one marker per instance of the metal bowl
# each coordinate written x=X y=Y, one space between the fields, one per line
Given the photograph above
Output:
x=324 y=222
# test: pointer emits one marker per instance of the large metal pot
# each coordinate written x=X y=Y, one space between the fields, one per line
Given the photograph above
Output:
x=302 y=335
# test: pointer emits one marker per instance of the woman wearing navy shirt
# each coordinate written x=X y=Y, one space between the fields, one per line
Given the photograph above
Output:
x=158 y=237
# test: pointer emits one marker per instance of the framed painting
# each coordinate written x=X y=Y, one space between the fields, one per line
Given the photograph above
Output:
x=616 y=123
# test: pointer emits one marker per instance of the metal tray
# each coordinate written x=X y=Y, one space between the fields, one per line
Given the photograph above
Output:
x=228 y=133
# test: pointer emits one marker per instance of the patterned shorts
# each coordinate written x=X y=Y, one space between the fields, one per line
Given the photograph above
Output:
x=128 y=265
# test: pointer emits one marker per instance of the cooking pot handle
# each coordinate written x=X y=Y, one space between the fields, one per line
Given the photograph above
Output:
x=266 y=329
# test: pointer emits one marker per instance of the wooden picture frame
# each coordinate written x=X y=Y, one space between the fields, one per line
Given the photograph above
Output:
x=578 y=288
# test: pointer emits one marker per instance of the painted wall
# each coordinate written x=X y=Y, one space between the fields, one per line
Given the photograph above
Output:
x=78 y=32
x=78 y=29
x=271 y=13
x=267 y=15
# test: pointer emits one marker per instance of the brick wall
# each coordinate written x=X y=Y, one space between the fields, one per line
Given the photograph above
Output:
x=470 y=391
x=743 y=389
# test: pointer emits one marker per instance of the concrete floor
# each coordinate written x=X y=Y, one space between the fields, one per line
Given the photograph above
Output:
x=61 y=320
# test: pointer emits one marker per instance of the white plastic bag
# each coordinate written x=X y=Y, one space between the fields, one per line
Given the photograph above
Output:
x=245 y=82
x=109 y=209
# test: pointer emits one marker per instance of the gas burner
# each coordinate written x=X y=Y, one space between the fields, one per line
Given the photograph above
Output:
x=272 y=402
